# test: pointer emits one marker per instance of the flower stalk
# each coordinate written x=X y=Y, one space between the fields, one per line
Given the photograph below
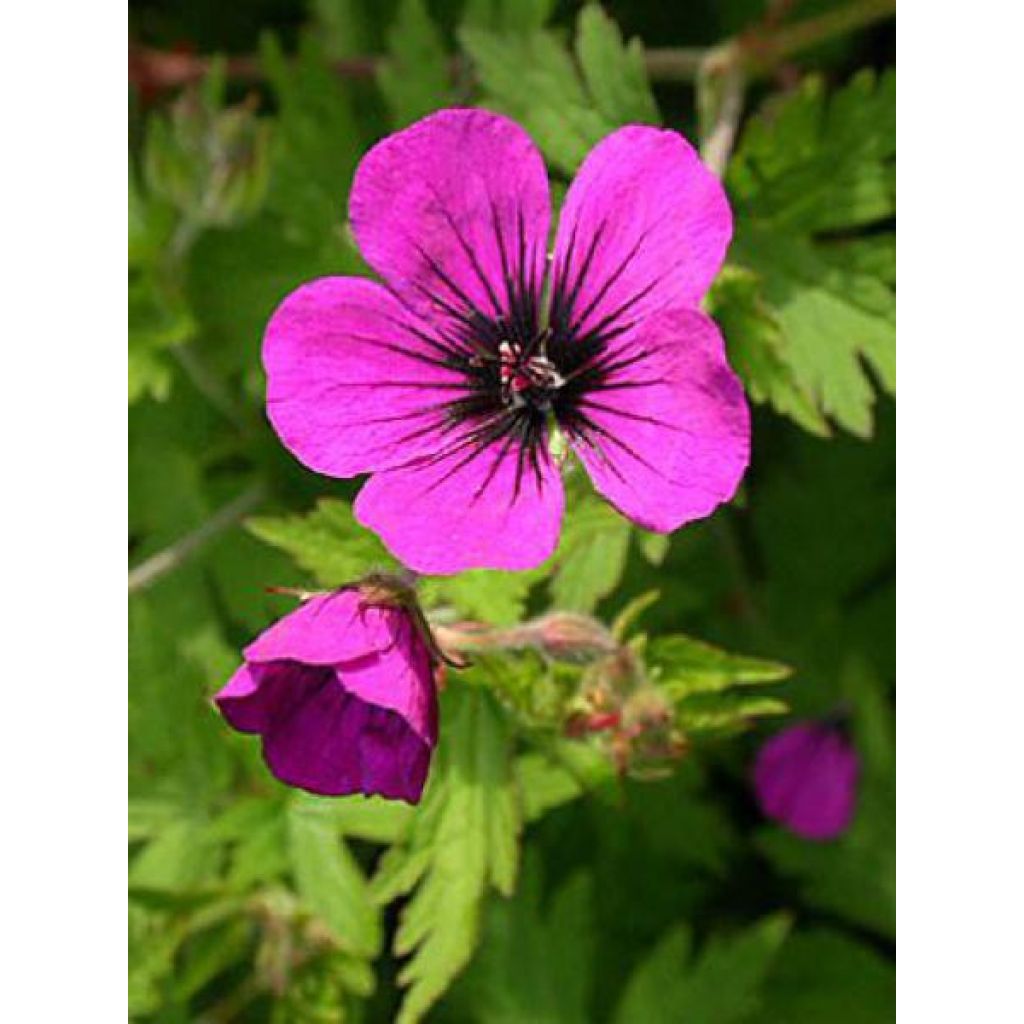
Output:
x=760 y=50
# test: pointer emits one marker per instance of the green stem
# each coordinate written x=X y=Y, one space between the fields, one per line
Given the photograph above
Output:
x=163 y=562
x=763 y=52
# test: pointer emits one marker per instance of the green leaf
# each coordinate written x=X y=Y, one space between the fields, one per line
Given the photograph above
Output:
x=372 y=819
x=342 y=27
x=687 y=667
x=725 y=713
x=614 y=73
x=718 y=987
x=544 y=784
x=256 y=828
x=566 y=108
x=148 y=816
x=181 y=856
x=318 y=142
x=237 y=278
x=328 y=878
x=508 y=16
x=806 y=167
x=327 y=543
x=810 y=164
x=414 y=77
x=534 y=965
x=175 y=653
x=211 y=953
x=150 y=224
x=591 y=555
x=699 y=679
x=823 y=975
x=490 y=595
x=209 y=161
x=653 y=546
x=463 y=840
x=756 y=348
x=157 y=320
x=334 y=549
x=830 y=319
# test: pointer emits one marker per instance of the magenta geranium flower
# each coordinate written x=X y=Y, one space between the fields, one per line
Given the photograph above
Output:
x=445 y=381
x=806 y=779
x=343 y=695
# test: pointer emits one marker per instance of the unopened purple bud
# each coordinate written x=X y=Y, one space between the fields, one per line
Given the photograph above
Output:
x=806 y=779
x=342 y=693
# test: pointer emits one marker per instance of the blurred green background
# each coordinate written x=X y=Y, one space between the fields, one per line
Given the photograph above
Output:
x=561 y=893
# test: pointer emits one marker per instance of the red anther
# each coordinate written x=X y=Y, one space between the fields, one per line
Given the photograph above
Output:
x=604 y=720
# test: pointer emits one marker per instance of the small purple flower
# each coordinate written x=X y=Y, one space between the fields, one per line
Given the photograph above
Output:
x=444 y=382
x=806 y=779
x=343 y=695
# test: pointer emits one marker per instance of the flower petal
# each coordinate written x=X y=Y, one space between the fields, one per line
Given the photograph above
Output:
x=644 y=226
x=454 y=212
x=353 y=383
x=491 y=508
x=333 y=743
x=806 y=778
x=328 y=629
x=400 y=679
x=665 y=436
x=258 y=694
x=242 y=702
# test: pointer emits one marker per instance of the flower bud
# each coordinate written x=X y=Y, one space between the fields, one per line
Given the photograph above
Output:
x=806 y=779
x=568 y=636
x=342 y=693
x=209 y=161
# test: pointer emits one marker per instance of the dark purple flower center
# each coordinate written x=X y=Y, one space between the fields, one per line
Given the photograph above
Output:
x=528 y=378
x=517 y=372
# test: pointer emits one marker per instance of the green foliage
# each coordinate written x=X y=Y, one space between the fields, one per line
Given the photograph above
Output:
x=489 y=595
x=158 y=319
x=329 y=880
x=208 y=161
x=463 y=840
x=334 y=550
x=328 y=543
x=812 y=173
x=698 y=678
x=824 y=976
x=318 y=146
x=507 y=16
x=757 y=348
x=534 y=962
x=594 y=548
x=591 y=555
x=690 y=667
x=415 y=78
x=544 y=784
x=156 y=322
x=717 y=987
x=566 y=105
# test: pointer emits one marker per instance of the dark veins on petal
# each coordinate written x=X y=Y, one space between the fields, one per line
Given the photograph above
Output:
x=518 y=369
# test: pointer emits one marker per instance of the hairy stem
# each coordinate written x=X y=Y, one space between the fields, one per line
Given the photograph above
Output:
x=764 y=51
x=560 y=635
x=148 y=572
x=724 y=111
x=759 y=50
